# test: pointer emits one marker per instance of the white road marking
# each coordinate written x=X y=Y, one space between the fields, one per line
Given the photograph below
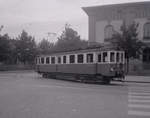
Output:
x=139 y=101
x=52 y=86
x=138 y=106
x=138 y=113
x=143 y=97
x=138 y=93
x=59 y=86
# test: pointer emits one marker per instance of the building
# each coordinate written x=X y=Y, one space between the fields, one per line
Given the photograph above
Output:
x=107 y=19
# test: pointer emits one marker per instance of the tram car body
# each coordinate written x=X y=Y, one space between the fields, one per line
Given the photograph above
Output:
x=86 y=64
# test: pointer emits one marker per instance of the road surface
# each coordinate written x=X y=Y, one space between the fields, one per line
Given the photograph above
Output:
x=25 y=94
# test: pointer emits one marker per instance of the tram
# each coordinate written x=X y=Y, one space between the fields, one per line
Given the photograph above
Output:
x=96 y=64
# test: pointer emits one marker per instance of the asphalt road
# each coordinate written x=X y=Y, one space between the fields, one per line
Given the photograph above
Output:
x=28 y=95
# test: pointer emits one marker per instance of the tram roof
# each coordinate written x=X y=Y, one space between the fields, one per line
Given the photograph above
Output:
x=82 y=50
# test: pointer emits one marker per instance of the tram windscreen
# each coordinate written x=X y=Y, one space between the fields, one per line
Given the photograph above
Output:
x=122 y=57
x=117 y=57
x=112 y=57
x=99 y=57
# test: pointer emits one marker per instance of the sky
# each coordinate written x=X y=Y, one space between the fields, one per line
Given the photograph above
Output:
x=41 y=17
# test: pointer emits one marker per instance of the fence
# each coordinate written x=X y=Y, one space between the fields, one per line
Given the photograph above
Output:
x=16 y=67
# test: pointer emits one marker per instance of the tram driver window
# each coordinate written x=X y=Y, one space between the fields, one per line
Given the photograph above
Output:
x=117 y=57
x=80 y=58
x=121 y=57
x=38 y=60
x=105 y=57
x=112 y=56
x=72 y=58
x=89 y=58
x=42 y=60
x=52 y=60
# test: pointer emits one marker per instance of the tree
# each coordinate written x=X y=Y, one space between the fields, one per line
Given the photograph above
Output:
x=127 y=40
x=4 y=48
x=69 y=40
x=7 y=48
x=26 y=48
x=45 y=46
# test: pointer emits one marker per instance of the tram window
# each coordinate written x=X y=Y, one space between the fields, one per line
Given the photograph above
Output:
x=72 y=58
x=80 y=58
x=112 y=56
x=42 y=60
x=47 y=60
x=105 y=57
x=99 y=57
x=64 y=59
x=36 y=61
x=52 y=60
x=117 y=57
x=59 y=60
x=121 y=57
x=39 y=60
x=89 y=58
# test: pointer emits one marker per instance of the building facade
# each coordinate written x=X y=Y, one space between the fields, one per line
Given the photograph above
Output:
x=105 y=20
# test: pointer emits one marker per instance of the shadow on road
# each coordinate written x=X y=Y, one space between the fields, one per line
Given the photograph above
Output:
x=96 y=83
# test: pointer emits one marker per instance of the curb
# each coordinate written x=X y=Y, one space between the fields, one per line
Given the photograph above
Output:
x=137 y=81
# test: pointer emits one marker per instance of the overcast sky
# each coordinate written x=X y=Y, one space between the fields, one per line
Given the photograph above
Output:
x=38 y=17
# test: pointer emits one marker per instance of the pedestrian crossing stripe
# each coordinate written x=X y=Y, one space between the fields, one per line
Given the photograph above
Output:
x=139 y=101
x=138 y=113
x=143 y=97
x=138 y=106
x=138 y=93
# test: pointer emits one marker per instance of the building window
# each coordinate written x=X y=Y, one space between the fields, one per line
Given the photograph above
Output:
x=52 y=60
x=47 y=60
x=89 y=58
x=80 y=58
x=72 y=58
x=146 y=31
x=42 y=60
x=146 y=55
x=64 y=59
x=108 y=32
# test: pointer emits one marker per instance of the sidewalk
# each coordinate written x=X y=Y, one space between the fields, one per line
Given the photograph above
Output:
x=137 y=79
